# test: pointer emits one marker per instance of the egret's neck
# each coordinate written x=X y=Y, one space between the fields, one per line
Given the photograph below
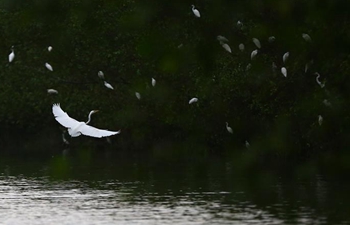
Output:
x=89 y=117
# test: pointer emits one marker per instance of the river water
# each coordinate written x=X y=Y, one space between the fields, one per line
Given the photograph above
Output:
x=93 y=188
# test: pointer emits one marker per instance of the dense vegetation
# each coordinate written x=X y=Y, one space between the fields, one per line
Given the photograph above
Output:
x=133 y=41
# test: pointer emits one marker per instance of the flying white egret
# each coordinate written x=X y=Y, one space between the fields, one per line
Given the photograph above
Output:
x=247 y=145
x=271 y=39
x=229 y=129
x=48 y=66
x=76 y=128
x=101 y=75
x=253 y=54
x=306 y=37
x=108 y=85
x=138 y=95
x=284 y=71
x=320 y=120
x=318 y=80
x=257 y=42
x=285 y=57
x=52 y=91
x=12 y=54
x=49 y=48
x=226 y=47
x=195 y=12
x=154 y=82
x=241 y=47
x=193 y=100
x=221 y=38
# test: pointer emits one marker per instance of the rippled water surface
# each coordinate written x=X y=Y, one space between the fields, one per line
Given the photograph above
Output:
x=103 y=190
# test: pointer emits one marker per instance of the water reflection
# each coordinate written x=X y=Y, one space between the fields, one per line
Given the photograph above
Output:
x=131 y=192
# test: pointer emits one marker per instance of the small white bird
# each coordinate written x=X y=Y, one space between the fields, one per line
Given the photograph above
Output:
x=284 y=71
x=48 y=66
x=318 y=80
x=76 y=128
x=271 y=39
x=138 y=96
x=49 y=48
x=154 y=82
x=108 y=85
x=285 y=57
x=306 y=37
x=195 y=12
x=221 y=38
x=239 y=24
x=12 y=54
x=229 y=129
x=101 y=75
x=226 y=47
x=193 y=100
x=320 y=120
x=247 y=145
x=52 y=91
x=257 y=42
x=253 y=54
x=241 y=47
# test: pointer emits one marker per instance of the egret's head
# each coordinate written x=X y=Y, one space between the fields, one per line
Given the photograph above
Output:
x=94 y=111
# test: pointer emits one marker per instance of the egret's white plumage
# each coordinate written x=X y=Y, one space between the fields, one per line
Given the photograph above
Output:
x=76 y=128
x=221 y=38
x=226 y=47
x=285 y=57
x=193 y=100
x=154 y=82
x=271 y=39
x=49 y=48
x=320 y=120
x=12 y=54
x=52 y=91
x=306 y=37
x=195 y=12
x=253 y=54
x=101 y=75
x=138 y=95
x=284 y=71
x=241 y=47
x=256 y=42
x=108 y=85
x=318 y=80
x=48 y=66
x=229 y=129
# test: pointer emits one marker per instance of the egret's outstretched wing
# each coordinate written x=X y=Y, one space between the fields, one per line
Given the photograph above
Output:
x=94 y=132
x=63 y=118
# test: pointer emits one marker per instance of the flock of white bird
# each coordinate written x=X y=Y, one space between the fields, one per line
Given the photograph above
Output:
x=76 y=128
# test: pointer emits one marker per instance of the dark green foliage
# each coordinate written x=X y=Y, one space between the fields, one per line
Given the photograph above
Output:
x=133 y=41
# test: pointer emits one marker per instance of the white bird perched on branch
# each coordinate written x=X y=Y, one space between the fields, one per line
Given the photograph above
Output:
x=48 y=66
x=285 y=57
x=195 y=12
x=253 y=54
x=154 y=82
x=76 y=128
x=229 y=129
x=108 y=85
x=101 y=75
x=52 y=91
x=271 y=39
x=241 y=47
x=138 y=95
x=284 y=71
x=12 y=54
x=226 y=47
x=193 y=100
x=49 y=48
x=320 y=120
x=257 y=42
x=221 y=38
x=306 y=37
